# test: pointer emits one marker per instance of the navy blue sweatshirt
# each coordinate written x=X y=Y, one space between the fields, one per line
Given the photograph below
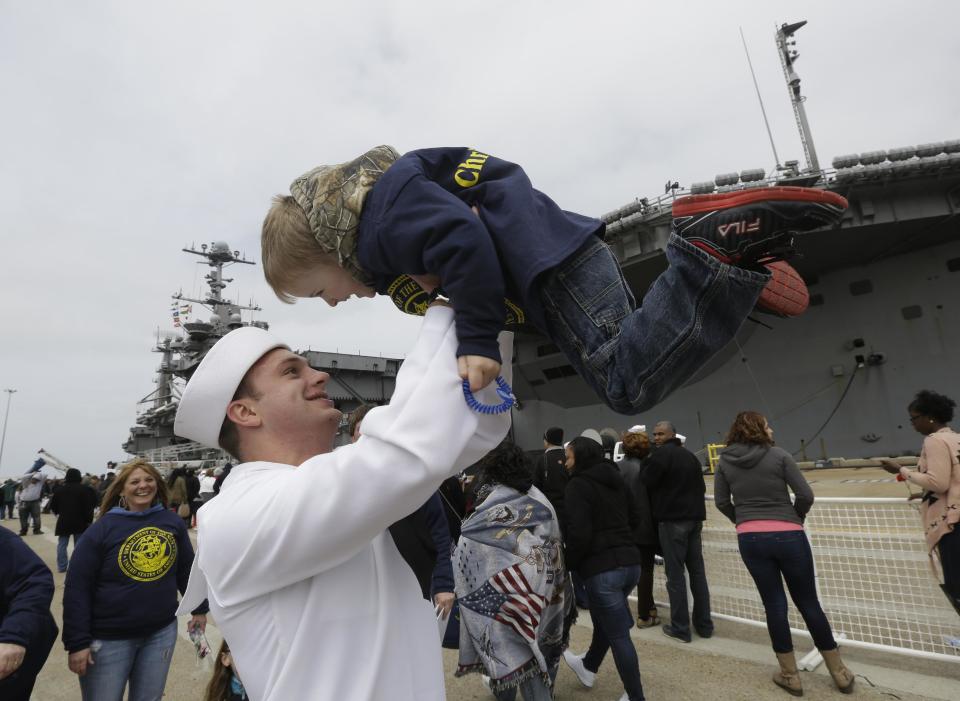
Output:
x=674 y=481
x=26 y=589
x=124 y=576
x=417 y=220
x=423 y=540
x=602 y=517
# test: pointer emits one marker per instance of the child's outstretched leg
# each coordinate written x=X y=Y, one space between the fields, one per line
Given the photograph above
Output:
x=633 y=358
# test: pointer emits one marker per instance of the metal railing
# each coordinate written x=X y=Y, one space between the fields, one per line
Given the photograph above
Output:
x=873 y=575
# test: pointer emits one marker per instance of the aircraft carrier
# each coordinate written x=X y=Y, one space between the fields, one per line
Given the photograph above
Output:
x=883 y=321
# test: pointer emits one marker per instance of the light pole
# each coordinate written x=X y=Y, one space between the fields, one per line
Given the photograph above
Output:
x=6 y=416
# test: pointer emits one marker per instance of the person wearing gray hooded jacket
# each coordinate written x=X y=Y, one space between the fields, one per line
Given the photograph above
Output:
x=751 y=489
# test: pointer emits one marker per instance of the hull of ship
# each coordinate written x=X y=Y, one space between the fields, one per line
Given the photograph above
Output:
x=878 y=333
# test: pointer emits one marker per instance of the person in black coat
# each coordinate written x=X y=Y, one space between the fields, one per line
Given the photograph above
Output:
x=550 y=476
x=422 y=539
x=73 y=504
x=602 y=519
x=454 y=505
x=674 y=481
x=27 y=630
x=221 y=478
x=193 y=493
x=636 y=448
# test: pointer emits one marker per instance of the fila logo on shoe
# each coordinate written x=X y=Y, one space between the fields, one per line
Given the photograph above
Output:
x=739 y=227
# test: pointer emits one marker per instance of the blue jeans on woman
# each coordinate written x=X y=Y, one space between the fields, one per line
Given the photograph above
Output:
x=143 y=661
x=634 y=357
x=786 y=554
x=612 y=622
x=62 y=559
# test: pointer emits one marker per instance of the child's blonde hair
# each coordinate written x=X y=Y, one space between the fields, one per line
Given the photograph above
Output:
x=288 y=247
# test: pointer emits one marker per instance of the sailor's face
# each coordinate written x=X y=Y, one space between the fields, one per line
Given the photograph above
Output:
x=139 y=490
x=291 y=395
x=329 y=282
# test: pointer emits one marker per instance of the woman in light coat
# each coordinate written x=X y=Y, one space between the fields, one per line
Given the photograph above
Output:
x=938 y=473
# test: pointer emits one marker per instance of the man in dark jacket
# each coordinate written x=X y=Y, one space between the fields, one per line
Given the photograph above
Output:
x=422 y=539
x=73 y=504
x=193 y=492
x=7 y=499
x=674 y=480
x=27 y=630
x=550 y=476
x=105 y=481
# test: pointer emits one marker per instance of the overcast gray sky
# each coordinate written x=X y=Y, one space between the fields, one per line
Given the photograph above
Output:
x=131 y=129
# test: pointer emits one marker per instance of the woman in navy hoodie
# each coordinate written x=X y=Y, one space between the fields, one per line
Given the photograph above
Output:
x=120 y=598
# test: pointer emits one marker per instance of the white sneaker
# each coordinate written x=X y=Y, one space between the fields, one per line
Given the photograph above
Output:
x=575 y=662
x=485 y=680
x=625 y=697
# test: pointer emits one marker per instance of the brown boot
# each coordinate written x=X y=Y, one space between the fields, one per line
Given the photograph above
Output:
x=842 y=676
x=652 y=620
x=788 y=677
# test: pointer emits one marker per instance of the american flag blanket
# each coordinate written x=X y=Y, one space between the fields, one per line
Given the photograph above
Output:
x=511 y=584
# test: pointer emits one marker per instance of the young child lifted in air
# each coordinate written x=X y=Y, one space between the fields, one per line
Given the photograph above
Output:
x=470 y=226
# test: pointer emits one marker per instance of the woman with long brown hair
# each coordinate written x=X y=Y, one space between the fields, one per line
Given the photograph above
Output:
x=225 y=685
x=751 y=489
x=120 y=596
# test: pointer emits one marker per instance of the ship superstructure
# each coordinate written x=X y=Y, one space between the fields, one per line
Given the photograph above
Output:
x=354 y=379
x=181 y=352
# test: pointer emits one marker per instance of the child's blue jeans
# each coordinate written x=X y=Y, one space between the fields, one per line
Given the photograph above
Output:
x=633 y=356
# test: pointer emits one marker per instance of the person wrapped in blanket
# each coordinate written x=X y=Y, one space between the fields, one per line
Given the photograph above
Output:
x=511 y=582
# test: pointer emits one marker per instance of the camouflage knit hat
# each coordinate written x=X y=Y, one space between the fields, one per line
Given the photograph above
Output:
x=332 y=198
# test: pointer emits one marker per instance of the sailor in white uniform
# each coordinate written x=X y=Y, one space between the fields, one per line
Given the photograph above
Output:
x=293 y=555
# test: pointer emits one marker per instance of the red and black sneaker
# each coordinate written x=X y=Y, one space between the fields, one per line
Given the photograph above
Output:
x=786 y=293
x=756 y=226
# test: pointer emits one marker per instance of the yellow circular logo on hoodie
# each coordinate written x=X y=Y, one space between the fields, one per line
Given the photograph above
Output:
x=148 y=554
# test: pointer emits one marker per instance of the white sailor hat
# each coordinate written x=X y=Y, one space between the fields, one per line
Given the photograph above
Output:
x=210 y=390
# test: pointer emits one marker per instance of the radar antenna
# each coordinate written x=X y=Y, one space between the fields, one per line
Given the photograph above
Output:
x=786 y=46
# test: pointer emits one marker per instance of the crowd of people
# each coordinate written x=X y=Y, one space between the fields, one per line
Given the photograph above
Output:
x=31 y=497
x=496 y=551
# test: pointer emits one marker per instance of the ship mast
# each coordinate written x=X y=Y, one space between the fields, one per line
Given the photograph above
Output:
x=218 y=255
x=786 y=46
x=153 y=436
